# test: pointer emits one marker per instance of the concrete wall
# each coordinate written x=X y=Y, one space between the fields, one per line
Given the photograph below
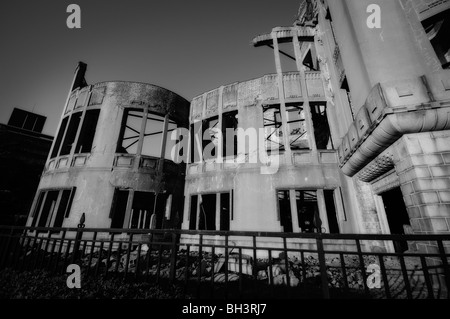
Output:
x=422 y=162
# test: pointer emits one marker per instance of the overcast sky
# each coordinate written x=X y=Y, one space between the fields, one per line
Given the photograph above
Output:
x=187 y=46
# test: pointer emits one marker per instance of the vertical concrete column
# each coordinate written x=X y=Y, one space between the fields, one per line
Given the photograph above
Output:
x=199 y=201
x=219 y=151
x=422 y=162
x=218 y=211
x=322 y=210
x=294 y=215
x=163 y=142
x=127 y=219
x=141 y=139
x=306 y=107
x=287 y=145
x=204 y=97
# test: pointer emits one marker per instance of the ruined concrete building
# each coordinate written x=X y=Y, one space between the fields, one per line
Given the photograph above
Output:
x=357 y=125
x=111 y=158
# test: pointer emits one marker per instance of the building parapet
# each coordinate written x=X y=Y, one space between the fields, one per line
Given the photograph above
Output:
x=263 y=89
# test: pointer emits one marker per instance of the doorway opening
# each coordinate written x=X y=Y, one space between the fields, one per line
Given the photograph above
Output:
x=396 y=215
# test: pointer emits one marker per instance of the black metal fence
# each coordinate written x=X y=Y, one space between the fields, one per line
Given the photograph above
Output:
x=217 y=264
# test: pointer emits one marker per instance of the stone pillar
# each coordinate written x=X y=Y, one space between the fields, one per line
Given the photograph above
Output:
x=287 y=146
x=422 y=162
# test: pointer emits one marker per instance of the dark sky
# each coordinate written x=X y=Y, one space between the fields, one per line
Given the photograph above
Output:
x=187 y=46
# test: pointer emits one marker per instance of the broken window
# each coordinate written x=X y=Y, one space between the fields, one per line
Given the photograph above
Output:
x=272 y=127
x=131 y=127
x=284 y=209
x=322 y=132
x=331 y=212
x=27 y=120
x=118 y=208
x=296 y=127
x=308 y=211
x=210 y=138
x=207 y=216
x=59 y=137
x=153 y=134
x=207 y=211
x=87 y=133
x=160 y=210
x=298 y=137
x=147 y=210
x=52 y=207
x=229 y=126
x=438 y=29
x=47 y=208
x=142 y=210
x=70 y=133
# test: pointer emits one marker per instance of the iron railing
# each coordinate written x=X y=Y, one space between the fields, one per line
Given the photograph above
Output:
x=235 y=264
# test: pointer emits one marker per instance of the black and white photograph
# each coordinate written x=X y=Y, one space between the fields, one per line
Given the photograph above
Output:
x=225 y=158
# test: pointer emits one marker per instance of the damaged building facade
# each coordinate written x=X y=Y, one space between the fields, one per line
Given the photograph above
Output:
x=111 y=158
x=357 y=122
x=360 y=125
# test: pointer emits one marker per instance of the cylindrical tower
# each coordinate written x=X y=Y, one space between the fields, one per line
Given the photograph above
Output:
x=111 y=158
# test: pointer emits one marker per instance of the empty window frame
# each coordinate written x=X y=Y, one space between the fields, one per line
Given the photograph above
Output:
x=52 y=207
x=225 y=211
x=193 y=213
x=130 y=131
x=308 y=211
x=207 y=214
x=142 y=210
x=273 y=127
x=153 y=135
x=437 y=29
x=87 y=133
x=209 y=138
x=296 y=127
x=207 y=211
x=119 y=208
x=71 y=133
x=298 y=136
x=322 y=132
x=284 y=209
x=148 y=210
x=27 y=120
x=229 y=126
x=333 y=224
x=59 y=137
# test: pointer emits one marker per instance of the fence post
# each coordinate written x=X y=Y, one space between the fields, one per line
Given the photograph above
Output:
x=78 y=237
x=173 y=258
x=323 y=268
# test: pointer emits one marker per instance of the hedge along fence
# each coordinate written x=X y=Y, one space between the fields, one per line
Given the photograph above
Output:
x=215 y=264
